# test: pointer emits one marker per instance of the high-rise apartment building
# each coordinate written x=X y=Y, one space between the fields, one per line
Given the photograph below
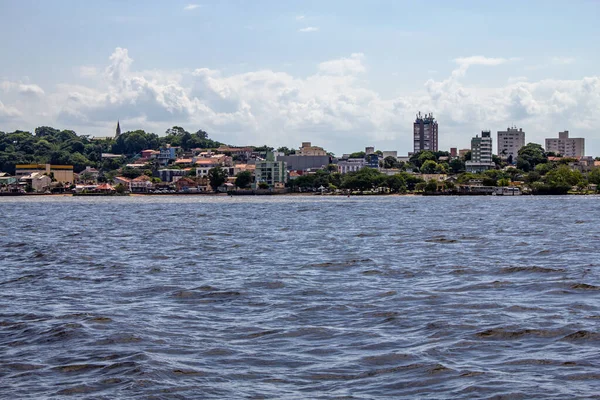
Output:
x=510 y=142
x=425 y=133
x=481 y=153
x=566 y=146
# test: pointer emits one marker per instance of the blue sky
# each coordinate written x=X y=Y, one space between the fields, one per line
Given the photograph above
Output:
x=342 y=74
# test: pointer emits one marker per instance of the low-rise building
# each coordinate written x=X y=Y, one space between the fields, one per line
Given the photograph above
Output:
x=351 y=165
x=168 y=175
x=38 y=181
x=61 y=173
x=141 y=184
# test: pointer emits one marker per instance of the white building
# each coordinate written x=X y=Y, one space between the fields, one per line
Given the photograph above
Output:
x=351 y=165
x=390 y=154
x=510 y=142
x=566 y=146
x=481 y=153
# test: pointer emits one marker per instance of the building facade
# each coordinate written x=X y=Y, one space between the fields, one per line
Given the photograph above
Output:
x=510 y=142
x=481 y=153
x=425 y=133
x=351 y=165
x=308 y=150
x=273 y=173
x=566 y=146
x=61 y=173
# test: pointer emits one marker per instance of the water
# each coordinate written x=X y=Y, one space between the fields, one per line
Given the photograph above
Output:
x=300 y=297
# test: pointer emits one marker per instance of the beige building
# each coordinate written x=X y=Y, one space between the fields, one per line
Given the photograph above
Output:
x=37 y=180
x=61 y=173
x=308 y=150
x=566 y=146
x=510 y=142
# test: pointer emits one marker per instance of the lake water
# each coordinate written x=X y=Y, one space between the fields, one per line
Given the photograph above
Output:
x=300 y=297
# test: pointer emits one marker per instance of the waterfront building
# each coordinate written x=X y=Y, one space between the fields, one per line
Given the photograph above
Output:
x=425 y=133
x=566 y=146
x=510 y=142
x=61 y=173
x=481 y=153
x=308 y=150
x=273 y=173
x=38 y=181
x=168 y=175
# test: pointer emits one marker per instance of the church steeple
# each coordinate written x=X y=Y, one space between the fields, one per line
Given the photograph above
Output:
x=118 y=132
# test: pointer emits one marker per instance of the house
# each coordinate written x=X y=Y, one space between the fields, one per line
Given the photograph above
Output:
x=123 y=181
x=89 y=174
x=141 y=184
x=186 y=184
x=105 y=188
x=169 y=175
x=37 y=181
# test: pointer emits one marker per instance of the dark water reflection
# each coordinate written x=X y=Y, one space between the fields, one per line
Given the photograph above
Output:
x=198 y=297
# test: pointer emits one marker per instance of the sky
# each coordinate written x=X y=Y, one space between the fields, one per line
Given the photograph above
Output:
x=343 y=74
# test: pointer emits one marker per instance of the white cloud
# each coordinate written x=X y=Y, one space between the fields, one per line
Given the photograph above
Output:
x=343 y=66
x=25 y=89
x=31 y=90
x=299 y=17
x=308 y=29
x=480 y=60
x=8 y=113
x=191 y=7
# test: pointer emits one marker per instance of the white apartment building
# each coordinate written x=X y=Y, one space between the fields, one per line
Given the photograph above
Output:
x=566 y=146
x=510 y=142
x=481 y=153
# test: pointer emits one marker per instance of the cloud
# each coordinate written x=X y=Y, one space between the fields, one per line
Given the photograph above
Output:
x=8 y=113
x=31 y=90
x=480 y=60
x=344 y=66
x=308 y=29
x=24 y=89
x=191 y=7
x=299 y=17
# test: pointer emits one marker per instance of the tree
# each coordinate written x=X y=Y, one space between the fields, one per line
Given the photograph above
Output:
x=263 y=185
x=120 y=188
x=243 y=179
x=396 y=183
x=530 y=155
x=390 y=162
x=457 y=165
x=431 y=186
x=358 y=154
x=216 y=176
x=429 y=167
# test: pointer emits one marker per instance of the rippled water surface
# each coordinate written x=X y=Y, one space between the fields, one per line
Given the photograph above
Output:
x=300 y=297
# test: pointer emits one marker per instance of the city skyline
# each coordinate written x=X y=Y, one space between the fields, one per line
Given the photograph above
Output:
x=343 y=75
